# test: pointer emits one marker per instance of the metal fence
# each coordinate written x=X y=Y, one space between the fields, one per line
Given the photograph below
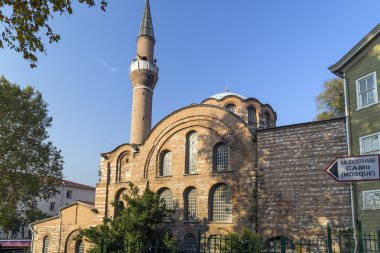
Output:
x=335 y=242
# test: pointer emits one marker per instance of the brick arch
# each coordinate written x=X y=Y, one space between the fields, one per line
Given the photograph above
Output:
x=228 y=126
x=70 y=241
x=117 y=198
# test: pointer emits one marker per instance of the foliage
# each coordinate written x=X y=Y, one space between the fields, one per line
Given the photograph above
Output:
x=330 y=102
x=30 y=166
x=243 y=241
x=139 y=222
x=24 y=24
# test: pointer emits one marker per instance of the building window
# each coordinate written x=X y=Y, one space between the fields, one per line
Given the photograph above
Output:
x=191 y=153
x=190 y=242
x=191 y=204
x=266 y=120
x=79 y=247
x=34 y=204
x=221 y=205
x=370 y=144
x=69 y=194
x=121 y=167
x=52 y=206
x=251 y=116
x=366 y=90
x=167 y=196
x=231 y=107
x=166 y=164
x=220 y=160
x=45 y=245
x=371 y=200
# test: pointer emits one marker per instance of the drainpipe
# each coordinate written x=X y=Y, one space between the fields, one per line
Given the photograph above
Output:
x=349 y=153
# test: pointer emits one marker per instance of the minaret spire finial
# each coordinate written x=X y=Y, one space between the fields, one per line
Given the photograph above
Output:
x=146 y=28
x=227 y=88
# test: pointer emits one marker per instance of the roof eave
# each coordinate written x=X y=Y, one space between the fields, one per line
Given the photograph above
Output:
x=337 y=68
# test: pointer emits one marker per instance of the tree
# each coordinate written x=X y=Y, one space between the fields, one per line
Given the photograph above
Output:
x=330 y=102
x=30 y=166
x=25 y=23
x=139 y=222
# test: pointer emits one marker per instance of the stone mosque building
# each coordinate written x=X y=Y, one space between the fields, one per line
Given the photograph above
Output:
x=223 y=161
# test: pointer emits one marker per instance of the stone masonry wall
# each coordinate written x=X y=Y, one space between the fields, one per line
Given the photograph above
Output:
x=296 y=196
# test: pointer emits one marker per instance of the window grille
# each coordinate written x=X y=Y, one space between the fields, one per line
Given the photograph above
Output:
x=231 y=107
x=220 y=157
x=191 y=153
x=366 y=90
x=166 y=164
x=167 y=196
x=221 y=204
x=45 y=246
x=191 y=205
x=251 y=116
x=190 y=242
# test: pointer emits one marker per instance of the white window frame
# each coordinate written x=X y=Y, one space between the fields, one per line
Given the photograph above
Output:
x=364 y=137
x=376 y=99
x=366 y=198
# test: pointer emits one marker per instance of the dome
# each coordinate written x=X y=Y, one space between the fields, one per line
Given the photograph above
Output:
x=225 y=94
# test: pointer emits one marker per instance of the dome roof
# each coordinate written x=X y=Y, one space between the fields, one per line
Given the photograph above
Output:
x=225 y=94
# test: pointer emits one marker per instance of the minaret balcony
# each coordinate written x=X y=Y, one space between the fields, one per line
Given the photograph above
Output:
x=143 y=64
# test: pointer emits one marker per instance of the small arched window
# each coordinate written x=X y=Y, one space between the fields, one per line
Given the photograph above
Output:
x=231 y=107
x=121 y=167
x=45 y=245
x=190 y=202
x=251 y=116
x=190 y=242
x=220 y=159
x=221 y=204
x=267 y=119
x=167 y=196
x=214 y=244
x=191 y=153
x=79 y=247
x=166 y=163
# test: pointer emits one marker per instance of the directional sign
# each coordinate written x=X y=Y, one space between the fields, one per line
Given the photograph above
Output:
x=355 y=168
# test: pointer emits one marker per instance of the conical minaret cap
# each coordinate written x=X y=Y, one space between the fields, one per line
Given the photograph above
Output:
x=146 y=28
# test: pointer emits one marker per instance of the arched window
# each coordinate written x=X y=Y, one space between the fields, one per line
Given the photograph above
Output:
x=221 y=204
x=167 y=195
x=119 y=201
x=231 y=107
x=191 y=204
x=166 y=164
x=220 y=159
x=267 y=119
x=190 y=242
x=191 y=153
x=79 y=247
x=45 y=245
x=251 y=116
x=121 y=167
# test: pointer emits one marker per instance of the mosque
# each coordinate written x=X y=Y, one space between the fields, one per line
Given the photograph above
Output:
x=223 y=161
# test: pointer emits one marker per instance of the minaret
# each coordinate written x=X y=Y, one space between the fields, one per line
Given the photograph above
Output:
x=144 y=76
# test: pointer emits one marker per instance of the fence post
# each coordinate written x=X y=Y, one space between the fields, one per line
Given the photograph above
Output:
x=283 y=245
x=329 y=240
x=199 y=242
x=360 y=237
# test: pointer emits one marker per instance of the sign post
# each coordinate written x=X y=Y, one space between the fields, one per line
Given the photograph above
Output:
x=355 y=168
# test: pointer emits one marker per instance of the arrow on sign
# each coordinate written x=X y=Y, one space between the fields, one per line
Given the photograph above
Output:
x=355 y=168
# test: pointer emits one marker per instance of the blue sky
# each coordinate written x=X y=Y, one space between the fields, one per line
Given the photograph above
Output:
x=277 y=51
